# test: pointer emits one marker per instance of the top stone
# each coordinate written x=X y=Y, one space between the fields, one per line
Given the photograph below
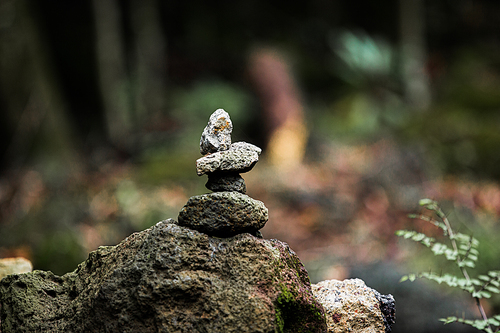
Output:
x=217 y=134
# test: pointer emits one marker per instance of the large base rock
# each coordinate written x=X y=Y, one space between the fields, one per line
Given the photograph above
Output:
x=169 y=279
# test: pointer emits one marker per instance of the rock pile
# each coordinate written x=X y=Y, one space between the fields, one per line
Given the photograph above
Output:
x=177 y=277
x=228 y=211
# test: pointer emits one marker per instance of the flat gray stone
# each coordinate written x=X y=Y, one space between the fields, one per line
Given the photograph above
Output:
x=223 y=214
x=241 y=157
x=217 y=134
x=220 y=182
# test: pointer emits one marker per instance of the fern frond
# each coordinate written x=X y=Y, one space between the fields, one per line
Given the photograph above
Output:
x=491 y=282
x=416 y=237
x=480 y=324
x=464 y=252
x=438 y=224
x=450 y=280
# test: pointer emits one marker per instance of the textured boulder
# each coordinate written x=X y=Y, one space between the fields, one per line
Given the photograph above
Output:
x=223 y=214
x=169 y=279
x=217 y=134
x=218 y=182
x=351 y=306
x=240 y=157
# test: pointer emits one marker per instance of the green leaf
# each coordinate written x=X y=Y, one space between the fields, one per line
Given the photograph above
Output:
x=472 y=257
x=418 y=237
x=492 y=289
x=405 y=233
x=439 y=249
x=400 y=232
x=451 y=254
x=480 y=324
x=403 y=278
x=474 y=251
x=493 y=321
x=476 y=282
x=494 y=273
x=481 y=294
x=426 y=202
x=466 y=263
x=464 y=247
x=448 y=320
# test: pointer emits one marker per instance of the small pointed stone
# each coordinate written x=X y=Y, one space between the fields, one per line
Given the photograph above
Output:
x=217 y=134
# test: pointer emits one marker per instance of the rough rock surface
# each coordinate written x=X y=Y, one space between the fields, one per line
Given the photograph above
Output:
x=223 y=214
x=387 y=305
x=169 y=279
x=351 y=306
x=217 y=134
x=240 y=157
x=226 y=182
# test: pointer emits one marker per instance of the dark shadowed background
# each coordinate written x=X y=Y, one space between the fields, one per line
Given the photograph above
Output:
x=362 y=108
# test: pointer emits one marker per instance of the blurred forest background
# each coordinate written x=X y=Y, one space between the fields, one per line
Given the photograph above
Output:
x=361 y=107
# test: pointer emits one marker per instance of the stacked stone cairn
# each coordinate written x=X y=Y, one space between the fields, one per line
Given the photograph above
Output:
x=227 y=211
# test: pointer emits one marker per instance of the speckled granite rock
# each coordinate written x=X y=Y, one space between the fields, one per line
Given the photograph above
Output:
x=223 y=214
x=169 y=279
x=217 y=134
x=240 y=157
x=351 y=306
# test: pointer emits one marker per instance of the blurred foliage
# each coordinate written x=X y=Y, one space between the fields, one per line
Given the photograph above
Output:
x=57 y=223
x=190 y=105
x=459 y=131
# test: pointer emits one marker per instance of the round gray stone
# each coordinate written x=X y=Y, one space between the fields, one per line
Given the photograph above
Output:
x=223 y=214
x=217 y=134
x=220 y=182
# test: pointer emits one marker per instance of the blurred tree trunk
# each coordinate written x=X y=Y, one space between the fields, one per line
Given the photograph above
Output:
x=132 y=79
x=413 y=53
x=113 y=78
x=282 y=106
x=150 y=59
x=34 y=108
